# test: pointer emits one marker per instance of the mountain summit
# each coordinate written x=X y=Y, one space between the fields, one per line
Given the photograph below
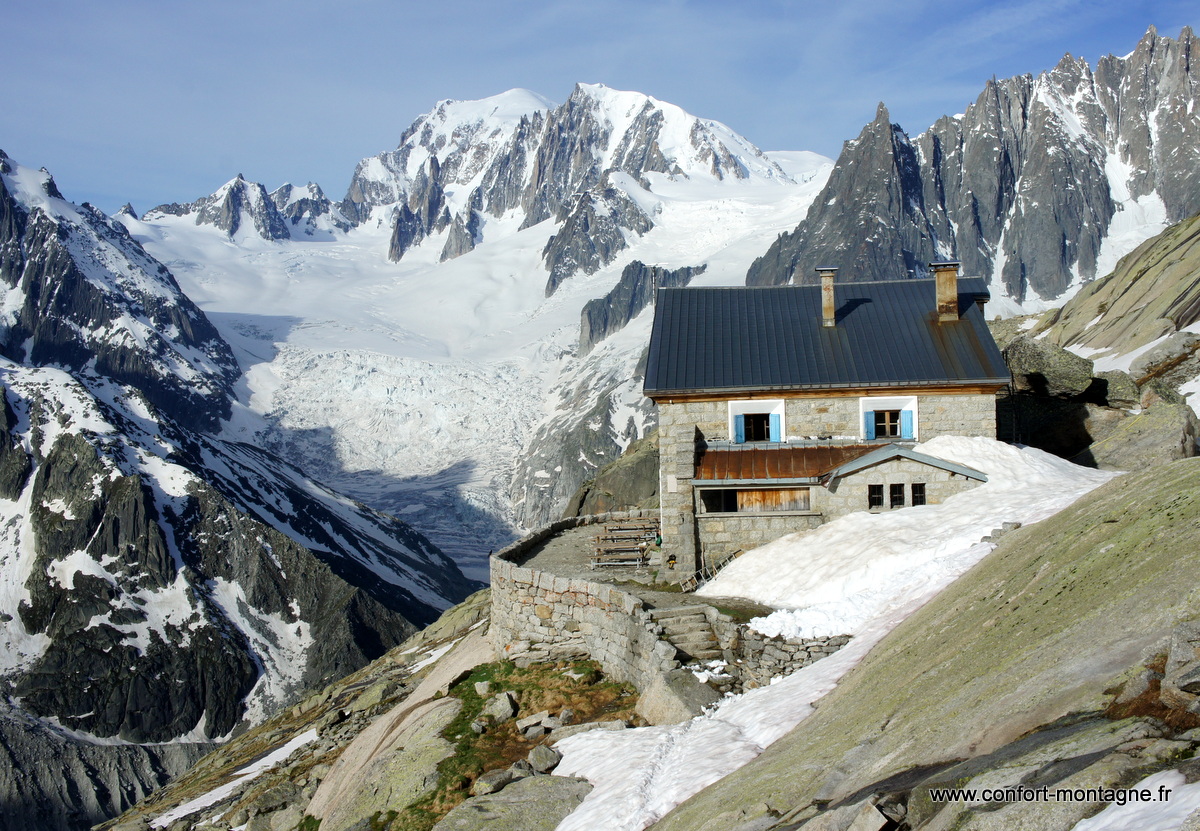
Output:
x=1041 y=185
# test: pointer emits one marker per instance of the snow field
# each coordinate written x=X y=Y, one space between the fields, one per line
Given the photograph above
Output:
x=413 y=386
x=833 y=580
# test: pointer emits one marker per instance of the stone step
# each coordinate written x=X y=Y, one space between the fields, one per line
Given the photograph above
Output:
x=687 y=625
x=705 y=636
x=677 y=611
x=693 y=645
x=704 y=654
x=684 y=624
x=691 y=633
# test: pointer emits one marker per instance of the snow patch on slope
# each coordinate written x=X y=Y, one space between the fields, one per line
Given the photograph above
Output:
x=641 y=774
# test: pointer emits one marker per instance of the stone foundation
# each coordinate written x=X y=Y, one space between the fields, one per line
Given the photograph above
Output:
x=537 y=616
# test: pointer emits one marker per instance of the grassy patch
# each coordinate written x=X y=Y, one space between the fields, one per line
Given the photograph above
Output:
x=738 y=615
x=536 y=688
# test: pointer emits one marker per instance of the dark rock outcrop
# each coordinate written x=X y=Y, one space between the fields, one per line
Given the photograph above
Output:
x=48 y=781
x=592 y=234
x=635 y=291
x=304 y=208
x=94 y=301
x=629 y=482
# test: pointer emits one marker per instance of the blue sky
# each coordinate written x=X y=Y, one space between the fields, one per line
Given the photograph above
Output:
x=152 y=102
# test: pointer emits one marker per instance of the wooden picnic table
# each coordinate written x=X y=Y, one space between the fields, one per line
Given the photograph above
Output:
x=634 y=525
x=619 y=558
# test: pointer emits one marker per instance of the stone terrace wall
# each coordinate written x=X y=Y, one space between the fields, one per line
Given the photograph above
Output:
x=537 y=616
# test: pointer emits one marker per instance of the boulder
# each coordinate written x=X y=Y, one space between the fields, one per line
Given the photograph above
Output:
x=524 y=724
x=538 y=803
x=1120 y=390
x=1181 y=676
x=544 y=759
x=569 y=730
x=1045 y=369
x=492 y=781
x=521 y=768
x=1163 y=433
x=674 y=697
x=501 y=706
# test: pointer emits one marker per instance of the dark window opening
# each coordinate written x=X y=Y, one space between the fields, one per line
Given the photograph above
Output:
x=896 y=496
x=718 y=501
x=887 y=424
x=758 y=426
x=874 y=496
x=918 y=493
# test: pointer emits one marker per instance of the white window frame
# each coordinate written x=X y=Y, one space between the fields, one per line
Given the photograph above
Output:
x=768 y=406
x=889 y=402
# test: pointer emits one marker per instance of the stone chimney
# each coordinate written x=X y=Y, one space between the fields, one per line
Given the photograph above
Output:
x=828 y=305
x=946 y=280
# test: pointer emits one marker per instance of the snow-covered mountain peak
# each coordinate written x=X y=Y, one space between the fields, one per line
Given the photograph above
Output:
x=508 y=106
x=689 y=146
x=243 y=207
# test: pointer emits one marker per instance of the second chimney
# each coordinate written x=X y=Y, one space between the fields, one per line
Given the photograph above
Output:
x=946 y=281
x=828 y=306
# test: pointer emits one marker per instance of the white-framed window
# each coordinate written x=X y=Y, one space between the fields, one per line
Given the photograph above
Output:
x=891 y=417
x=754 y=421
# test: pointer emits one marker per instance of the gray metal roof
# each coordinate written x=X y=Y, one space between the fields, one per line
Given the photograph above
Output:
x=771 y=338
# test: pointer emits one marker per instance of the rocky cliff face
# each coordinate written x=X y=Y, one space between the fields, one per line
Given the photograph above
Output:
x=1024 y=188
x=592 y=234
x=633 y=293
x=80 y=293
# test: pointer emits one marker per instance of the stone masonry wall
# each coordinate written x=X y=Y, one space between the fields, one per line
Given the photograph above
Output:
x=722 y=534
x=850 y=494
x=537 y=616
x=813 y=416
x=752 y=659
x=677 y=467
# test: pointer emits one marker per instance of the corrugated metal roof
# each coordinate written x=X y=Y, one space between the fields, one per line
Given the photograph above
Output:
x=771 y=338
x=776 y=462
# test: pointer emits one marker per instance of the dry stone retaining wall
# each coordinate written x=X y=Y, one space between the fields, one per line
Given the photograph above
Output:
x=537 y=616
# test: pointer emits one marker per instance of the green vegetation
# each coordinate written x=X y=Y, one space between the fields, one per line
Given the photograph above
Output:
x=536 y=688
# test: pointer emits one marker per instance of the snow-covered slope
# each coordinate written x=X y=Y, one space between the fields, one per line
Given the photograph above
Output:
x=77 y=291
x=157 y=584
x=861 y=575
x=450 y=391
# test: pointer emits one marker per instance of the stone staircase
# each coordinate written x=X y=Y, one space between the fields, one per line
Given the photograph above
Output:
x=688 y=630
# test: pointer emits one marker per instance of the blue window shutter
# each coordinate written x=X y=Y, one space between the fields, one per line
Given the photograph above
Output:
x=776 y=427
x=739 y=428
x=906 y=424
x=869 y=424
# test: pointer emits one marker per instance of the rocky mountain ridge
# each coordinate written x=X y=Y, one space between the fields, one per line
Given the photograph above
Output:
x=1030 y=187
x=238 y=206
x=160 y=586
